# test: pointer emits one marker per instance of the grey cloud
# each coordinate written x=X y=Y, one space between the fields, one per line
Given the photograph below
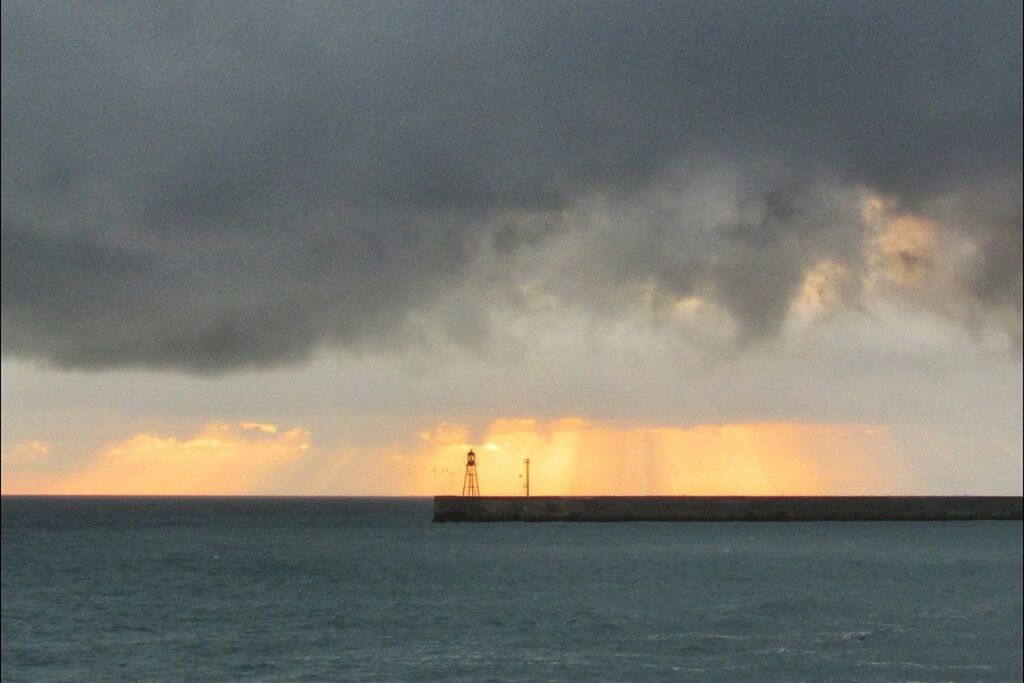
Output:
x=766 y=255
x=990 y=282
x=714 y=239
x=998 y=279
x=208 y=187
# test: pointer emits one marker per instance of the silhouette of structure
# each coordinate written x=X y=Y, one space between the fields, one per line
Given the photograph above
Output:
x=527 y=483
x=725 y=508
x=470 y=483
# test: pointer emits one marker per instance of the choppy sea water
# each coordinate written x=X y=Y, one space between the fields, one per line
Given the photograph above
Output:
x=369 y=589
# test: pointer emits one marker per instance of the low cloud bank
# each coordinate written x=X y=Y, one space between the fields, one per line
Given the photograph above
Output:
x=238 y=186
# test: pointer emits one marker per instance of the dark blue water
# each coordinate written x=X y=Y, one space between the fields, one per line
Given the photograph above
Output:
x=329 y=589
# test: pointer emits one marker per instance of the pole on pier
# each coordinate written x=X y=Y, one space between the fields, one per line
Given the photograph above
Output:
x=527 y=484
x=470 y=483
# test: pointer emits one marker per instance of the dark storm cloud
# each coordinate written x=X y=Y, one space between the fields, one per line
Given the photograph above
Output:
x=227 y=185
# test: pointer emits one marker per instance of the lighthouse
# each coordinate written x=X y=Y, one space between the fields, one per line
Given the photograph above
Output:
x=470 y=483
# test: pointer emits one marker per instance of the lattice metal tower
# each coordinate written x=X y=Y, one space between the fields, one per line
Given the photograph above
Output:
x=470 y=484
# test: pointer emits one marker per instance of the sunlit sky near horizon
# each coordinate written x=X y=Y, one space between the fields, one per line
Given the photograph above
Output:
x=657 y=248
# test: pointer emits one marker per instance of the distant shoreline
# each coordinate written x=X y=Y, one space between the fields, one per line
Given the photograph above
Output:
x=725 y=508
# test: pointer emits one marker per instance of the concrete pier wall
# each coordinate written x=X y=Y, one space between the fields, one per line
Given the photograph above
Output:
x=725 y=508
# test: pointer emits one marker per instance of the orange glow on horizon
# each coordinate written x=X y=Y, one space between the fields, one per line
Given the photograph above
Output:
x=221 y=459
x=568 y=456
x=574 y=457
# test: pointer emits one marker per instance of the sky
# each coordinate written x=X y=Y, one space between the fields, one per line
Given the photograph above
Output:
x=657 y=248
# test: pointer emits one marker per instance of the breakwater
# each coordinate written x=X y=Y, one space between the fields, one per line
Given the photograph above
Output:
x=724 y=508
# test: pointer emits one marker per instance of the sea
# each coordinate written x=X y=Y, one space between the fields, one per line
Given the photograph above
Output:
x=338 y=589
